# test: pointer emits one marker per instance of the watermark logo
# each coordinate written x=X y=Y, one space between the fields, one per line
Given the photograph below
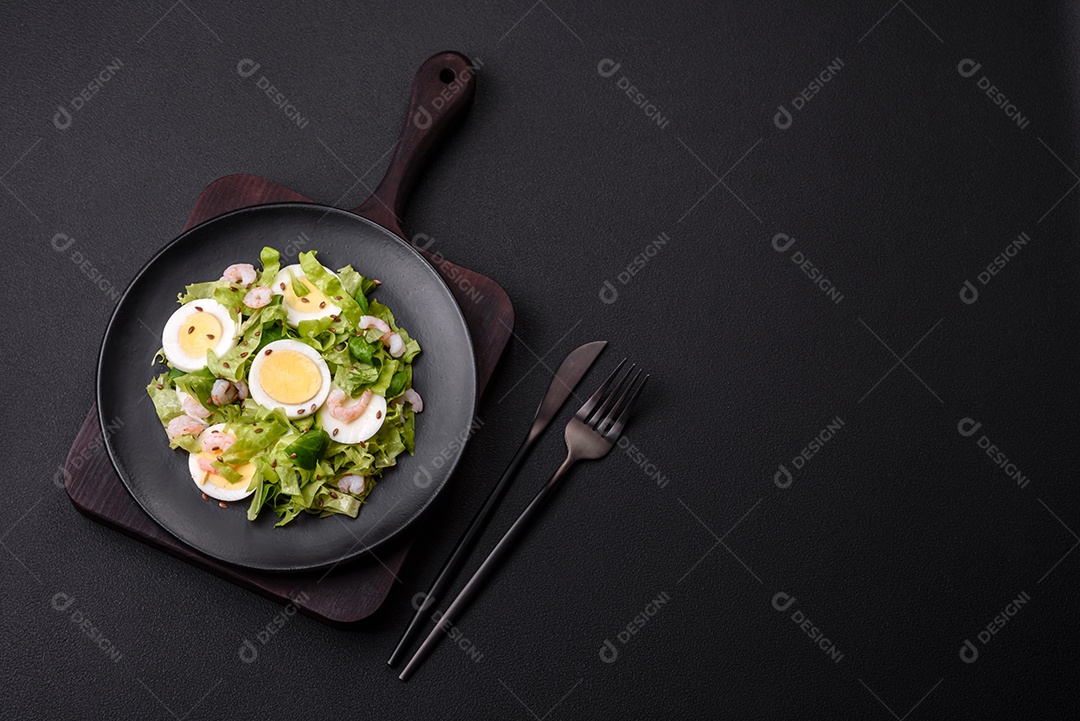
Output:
x=782 y=243
x=968 y=427
x=450 y=271
x=61 y=602
x=609 y=652
x=423 y=478
x=88 y=453
x=62 y=242
x=248 y=652
x=455 y=634
x=639 y=459
x=64 y=117
x=969 y=652
x=784 y=118
x=608 y=292
x=783 y=478
x=969 y=293
x=453 y=83
x=968 y=68
x=782 y=602
x=247 y=67
x=608 y=68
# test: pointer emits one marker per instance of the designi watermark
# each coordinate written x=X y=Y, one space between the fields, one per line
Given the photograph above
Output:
x=969 y=652
x=247 y=652
x=453 y=83
x=450 y=271
x=608 y=292
x=784 y=477
x=782 y=243
x=784 y=118
x=968 y=68
x=609 y=652
x=247 y=67
x=968 y=427
x=455 y=634
x=422 y=478
x=782 y=602
x=64 y=116
x=87 y=453
x=607 y=68
x=62 y=242
x=61 y=602
x=639 y=459
x=969 y=293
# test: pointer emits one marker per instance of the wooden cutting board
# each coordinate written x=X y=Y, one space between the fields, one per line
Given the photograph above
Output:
x=349 y=592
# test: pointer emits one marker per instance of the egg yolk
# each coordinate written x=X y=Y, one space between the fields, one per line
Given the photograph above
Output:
x=246 y=470
x=313 y=302
x=289 y=377
x=199 y=333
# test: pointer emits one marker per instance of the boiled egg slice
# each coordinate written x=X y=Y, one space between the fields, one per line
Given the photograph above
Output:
x=361 y=428
x=312 y=306
x=194 y=329
x=214 y=485
x=290 y=375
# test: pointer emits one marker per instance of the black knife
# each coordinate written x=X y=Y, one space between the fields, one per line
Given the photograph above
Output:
x=566 y=378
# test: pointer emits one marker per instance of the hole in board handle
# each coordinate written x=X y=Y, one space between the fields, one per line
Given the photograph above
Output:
x=447 y=75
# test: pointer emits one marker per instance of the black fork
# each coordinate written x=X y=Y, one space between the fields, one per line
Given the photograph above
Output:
x=590 y=434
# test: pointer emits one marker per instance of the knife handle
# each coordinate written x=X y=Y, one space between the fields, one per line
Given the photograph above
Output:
x=505 y=545
x=460 y=553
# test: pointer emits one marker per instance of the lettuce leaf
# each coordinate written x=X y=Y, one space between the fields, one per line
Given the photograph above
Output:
x=331 y=287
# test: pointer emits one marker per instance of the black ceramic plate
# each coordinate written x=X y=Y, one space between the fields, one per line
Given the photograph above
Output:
x=444 y=374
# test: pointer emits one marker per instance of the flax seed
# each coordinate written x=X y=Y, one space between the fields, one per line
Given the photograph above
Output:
x=336 y=431
x=322 y=304
x=223 y=504
x=282 y=286
x=300 y=412
x=205 y=497
x=225 y=364
x=304 y=300
x=191 y=329
x=268 y=351
x=292 y=455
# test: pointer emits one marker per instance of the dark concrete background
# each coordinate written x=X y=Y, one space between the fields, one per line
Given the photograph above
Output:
x=900 y=180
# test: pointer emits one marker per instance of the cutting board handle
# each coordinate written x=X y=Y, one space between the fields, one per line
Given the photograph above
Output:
x=442 y=91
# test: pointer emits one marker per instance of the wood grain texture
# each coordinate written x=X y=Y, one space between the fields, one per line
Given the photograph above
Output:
x=352 y=591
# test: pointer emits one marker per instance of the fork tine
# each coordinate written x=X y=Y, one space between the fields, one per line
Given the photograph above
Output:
x=616 y=430
x=611 y=410
x=612 y=395
x=586 y=409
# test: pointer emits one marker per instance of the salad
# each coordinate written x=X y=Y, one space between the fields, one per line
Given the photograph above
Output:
x=289 y=386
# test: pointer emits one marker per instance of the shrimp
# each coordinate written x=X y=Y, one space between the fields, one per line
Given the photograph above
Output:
x=241 y=389
x=223 y=392
x=396 y=345
x=217 y=442
x=184 y=425
x=257 y=297
x=336 y=403
x=352 y=484
x=413 y=398
x=240 y=273
x=370 y=321
x=193 y=408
